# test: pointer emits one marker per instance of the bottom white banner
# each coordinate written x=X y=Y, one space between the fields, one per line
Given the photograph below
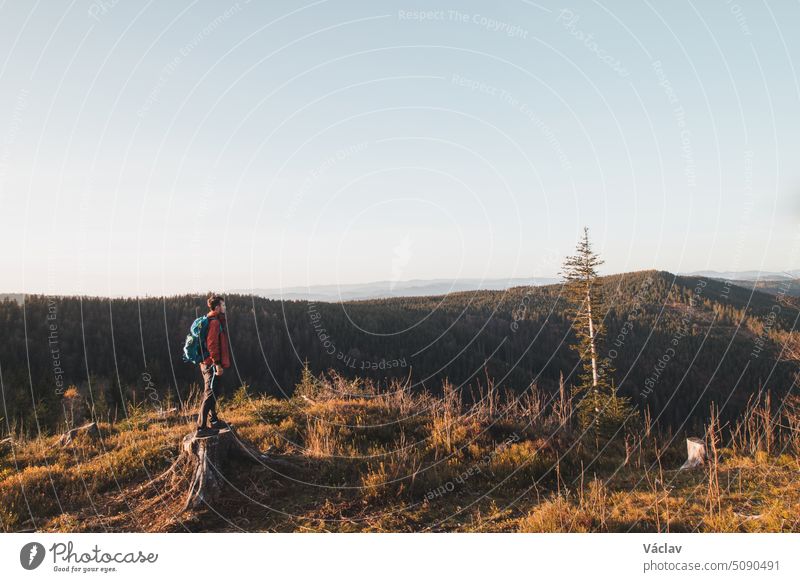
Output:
x=353 y=557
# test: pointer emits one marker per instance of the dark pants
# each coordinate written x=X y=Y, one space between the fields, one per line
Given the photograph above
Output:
x=209 y=404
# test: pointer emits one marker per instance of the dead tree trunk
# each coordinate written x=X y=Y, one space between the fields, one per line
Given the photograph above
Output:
x=88 y=429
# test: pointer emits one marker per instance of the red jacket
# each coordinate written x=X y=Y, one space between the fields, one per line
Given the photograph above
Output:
x=217 y=341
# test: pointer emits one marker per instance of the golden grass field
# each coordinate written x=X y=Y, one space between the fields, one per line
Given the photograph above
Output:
x=364 y=460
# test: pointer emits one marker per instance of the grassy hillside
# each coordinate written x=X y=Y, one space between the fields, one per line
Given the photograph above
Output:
x=390 y=460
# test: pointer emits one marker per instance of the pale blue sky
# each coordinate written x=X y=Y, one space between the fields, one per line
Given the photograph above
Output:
x=174 y=147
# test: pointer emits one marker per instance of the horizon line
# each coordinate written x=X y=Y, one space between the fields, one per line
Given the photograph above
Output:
x=790 y=274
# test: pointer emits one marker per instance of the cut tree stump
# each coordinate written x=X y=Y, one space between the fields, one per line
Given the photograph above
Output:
x=696 y=453
x=201 y=465
x=205 y=456
x=87 y=429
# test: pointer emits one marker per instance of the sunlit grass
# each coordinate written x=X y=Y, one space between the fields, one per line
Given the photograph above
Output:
x=399 y=462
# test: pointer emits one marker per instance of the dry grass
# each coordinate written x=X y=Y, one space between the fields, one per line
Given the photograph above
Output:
x=390 y=460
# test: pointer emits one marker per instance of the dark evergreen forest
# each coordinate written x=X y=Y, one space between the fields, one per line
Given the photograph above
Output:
x=674 y=344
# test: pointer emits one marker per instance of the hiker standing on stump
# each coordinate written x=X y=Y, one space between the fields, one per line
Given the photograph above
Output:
x=217 y=360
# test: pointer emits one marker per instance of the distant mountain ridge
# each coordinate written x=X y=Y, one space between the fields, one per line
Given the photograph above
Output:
x=785 y=284
x=746 y=275
x=765 y=281
x=388 y=289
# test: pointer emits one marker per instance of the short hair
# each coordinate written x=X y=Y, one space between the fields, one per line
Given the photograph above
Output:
x=214 y=300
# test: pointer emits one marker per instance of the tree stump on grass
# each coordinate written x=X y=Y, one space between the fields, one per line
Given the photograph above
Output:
x=205 y=456
x=87 y=429
x=695 y=452
x=202 y=462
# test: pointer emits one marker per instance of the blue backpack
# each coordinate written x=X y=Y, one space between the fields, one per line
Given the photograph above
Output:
x=194 y=348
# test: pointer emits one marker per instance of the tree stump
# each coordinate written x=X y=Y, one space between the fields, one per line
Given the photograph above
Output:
x=87 y=429
x=696 y=453
x=201 y=464
x=205 y=456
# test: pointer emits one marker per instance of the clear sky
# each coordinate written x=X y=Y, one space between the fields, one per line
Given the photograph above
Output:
x=159 y=148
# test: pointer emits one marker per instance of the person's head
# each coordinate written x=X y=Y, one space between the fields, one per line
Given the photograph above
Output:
x=216 y=303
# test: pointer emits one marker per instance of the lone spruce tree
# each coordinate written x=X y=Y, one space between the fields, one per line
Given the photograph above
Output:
x=599 y=409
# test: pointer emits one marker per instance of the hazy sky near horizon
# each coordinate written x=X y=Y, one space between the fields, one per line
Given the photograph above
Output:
x=158 y=148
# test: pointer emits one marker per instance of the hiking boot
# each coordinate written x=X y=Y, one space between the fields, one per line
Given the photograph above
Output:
x=204 y=431
x=219 y=424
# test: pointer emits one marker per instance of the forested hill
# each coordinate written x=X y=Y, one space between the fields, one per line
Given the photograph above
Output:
x=675 y=344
